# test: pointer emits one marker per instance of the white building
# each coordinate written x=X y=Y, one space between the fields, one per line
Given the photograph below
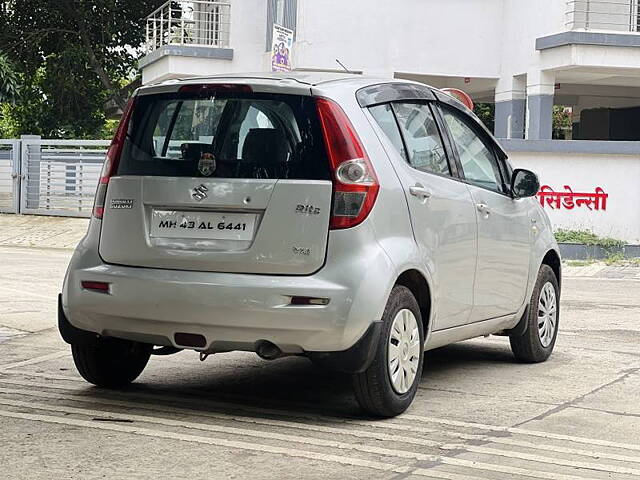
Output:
x=523 y=55
x=526 y=55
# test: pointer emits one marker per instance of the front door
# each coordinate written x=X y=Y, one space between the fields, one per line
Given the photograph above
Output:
x=504 y=227
x=442 y=211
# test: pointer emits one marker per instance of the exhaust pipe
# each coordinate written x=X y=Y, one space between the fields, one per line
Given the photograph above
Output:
x=268 y=350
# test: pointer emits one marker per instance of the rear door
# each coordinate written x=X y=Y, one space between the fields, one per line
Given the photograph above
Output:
x=442 y=211
x=504 y=227
x=224 y=181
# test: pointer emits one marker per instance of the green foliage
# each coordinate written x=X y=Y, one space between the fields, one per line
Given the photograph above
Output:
x=487 y=113
x=55 y=105
x=586 y=237
x=108 y=129
x=71 y=57
x=580 y=263
x=562 y=122
x=561 y=117
x=8 y=81
x=614 y=258
x=8 y=126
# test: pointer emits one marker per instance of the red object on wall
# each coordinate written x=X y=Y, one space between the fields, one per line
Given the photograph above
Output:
x=570 y=199
x=460 y=95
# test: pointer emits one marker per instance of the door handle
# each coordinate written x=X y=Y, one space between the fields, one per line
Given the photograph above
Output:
x=483 y=208
x=420 y=192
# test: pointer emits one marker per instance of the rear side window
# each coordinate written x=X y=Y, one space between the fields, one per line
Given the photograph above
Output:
x=225 y=135
x=422 y=138
x=412 y=129
x=385 y=119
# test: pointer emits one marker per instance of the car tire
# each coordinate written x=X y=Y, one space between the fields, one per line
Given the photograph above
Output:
x=111 y=362
x=536 y=344
x=378 y=391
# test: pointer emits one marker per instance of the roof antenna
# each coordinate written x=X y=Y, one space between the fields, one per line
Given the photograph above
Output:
x=342 y=65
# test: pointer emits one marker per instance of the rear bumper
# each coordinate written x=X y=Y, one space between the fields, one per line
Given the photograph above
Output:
x=352 y=360
x=232 y=311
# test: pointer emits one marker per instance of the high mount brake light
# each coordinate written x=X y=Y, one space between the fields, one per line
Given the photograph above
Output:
x=208 y=88
x=355 y=185
x=112 y=159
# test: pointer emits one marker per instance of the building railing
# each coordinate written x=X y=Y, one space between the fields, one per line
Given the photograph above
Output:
x=197 y=22
x=613 y=15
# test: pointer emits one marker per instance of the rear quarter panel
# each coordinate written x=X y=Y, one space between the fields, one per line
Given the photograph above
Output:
x=389 y=220
x=544 y=241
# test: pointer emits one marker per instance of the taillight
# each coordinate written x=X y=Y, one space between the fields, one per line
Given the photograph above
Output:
x=355 y=185
x=112 y=159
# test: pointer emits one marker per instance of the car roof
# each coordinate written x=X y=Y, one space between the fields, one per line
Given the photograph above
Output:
x=313 y=78
x=310 y=78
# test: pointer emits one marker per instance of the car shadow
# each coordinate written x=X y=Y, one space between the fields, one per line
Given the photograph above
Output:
x=292 y=385
x=465 y=354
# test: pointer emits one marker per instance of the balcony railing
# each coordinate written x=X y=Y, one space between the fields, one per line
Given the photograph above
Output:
x=615 y=15
x=198 y=23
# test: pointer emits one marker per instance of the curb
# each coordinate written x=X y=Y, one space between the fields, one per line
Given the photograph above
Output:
x=578 y=251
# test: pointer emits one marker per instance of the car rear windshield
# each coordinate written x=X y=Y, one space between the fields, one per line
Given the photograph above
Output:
x=225 y=135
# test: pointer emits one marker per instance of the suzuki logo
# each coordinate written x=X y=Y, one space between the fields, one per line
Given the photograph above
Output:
x=200 y=192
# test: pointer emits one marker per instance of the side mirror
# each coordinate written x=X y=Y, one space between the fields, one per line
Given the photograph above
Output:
x=524 y=183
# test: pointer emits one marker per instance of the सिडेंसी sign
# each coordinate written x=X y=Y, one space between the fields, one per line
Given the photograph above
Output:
x=570 y=199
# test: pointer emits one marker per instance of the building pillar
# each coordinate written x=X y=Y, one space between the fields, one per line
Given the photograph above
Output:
x=510 y=107
x=540 y=93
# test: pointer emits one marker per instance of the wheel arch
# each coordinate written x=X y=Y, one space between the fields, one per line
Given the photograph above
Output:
x=552 y=259
x=416 y=282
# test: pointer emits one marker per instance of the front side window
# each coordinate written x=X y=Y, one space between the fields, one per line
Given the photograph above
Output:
x=479 y=163
x=425 y=150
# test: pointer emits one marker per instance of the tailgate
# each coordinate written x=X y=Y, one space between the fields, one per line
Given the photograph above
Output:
x=245 y=226
x=221 y=180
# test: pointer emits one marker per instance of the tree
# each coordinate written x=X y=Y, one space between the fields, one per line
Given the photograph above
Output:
x=73 y=56
x=8 y=81
x=562 y=122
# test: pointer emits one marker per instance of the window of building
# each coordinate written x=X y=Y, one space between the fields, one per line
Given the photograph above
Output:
x=283 y=13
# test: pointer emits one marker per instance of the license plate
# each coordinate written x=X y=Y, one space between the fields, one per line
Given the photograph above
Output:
x=205 y=225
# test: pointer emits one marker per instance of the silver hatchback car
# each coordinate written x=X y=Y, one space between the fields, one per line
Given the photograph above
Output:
x=355 y=221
